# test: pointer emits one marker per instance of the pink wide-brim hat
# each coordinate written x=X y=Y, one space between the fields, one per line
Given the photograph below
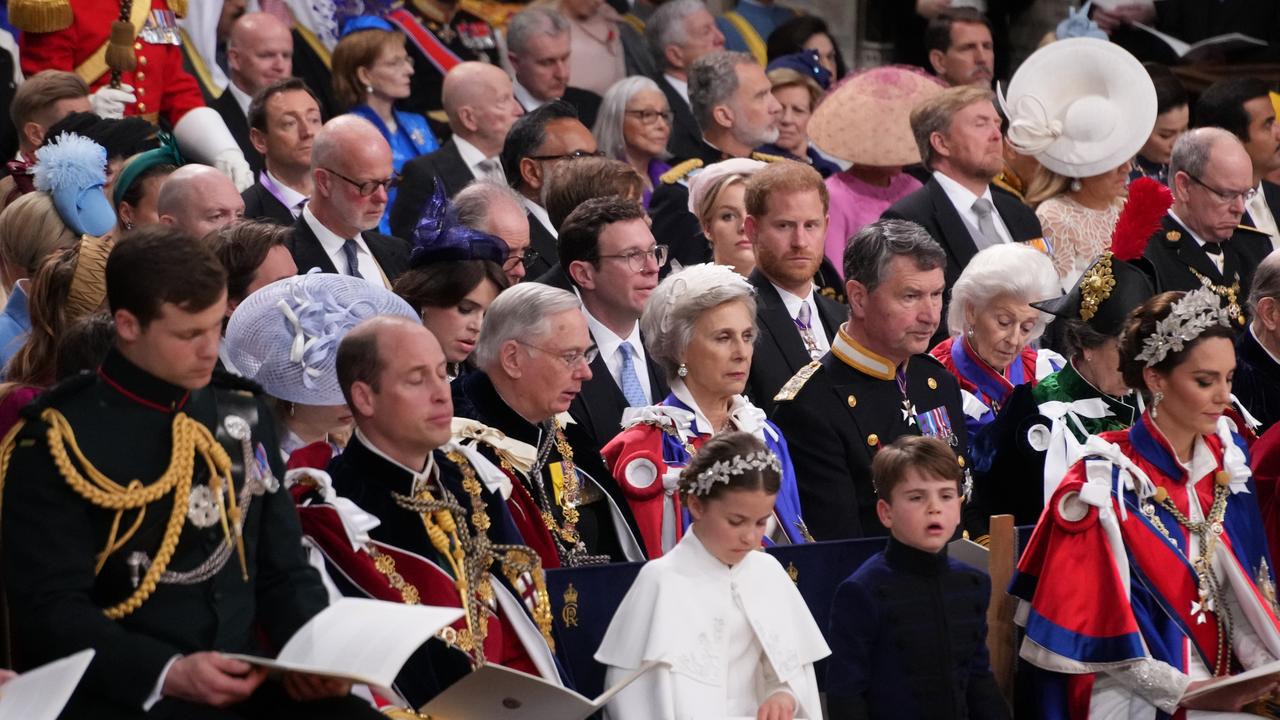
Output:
x=867 y=118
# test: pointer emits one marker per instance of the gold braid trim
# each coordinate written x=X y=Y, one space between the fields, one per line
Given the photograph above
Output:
x=189 y=438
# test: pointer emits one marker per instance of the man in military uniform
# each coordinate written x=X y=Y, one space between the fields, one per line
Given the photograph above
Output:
x=733 y=104
x=76 y=35
x=1200 y=242
x=143 y=517
x=441 y=35
x=875 y=384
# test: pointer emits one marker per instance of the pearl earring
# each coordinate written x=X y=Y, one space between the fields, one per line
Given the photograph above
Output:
x=1076 y=186
x=368 y=89
x=682 y=371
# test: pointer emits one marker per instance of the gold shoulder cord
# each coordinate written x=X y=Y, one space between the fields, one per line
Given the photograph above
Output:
x=189 y=439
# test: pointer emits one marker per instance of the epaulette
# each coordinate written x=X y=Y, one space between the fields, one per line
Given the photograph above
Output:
x=40 y=16
x=796 y=383
x=230 y=381
x=678 y=173
x=1252 y=229
x=54 y=396
x=767 y=157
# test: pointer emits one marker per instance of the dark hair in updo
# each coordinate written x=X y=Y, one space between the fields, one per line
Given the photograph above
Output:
x=1141 y=324
x=722 y=447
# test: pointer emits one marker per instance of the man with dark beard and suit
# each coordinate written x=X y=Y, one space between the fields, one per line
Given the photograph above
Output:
x=284 y=119
x=351 y=170
x=481 y=109
x=958 y=133
x=787 y=224
x=1200 y=242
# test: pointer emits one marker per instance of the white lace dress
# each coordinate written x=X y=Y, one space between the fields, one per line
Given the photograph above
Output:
x=1077 y=234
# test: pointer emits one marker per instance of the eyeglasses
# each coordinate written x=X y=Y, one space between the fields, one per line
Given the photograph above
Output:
x=529 y=256
x=369 y=187
x=575 y=155
x=1223 y=196
x=570 y=359
x=638 y=260
x=649 y=117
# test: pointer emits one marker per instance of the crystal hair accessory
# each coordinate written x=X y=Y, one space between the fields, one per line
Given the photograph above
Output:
x=1191 y=315
x=722 y=470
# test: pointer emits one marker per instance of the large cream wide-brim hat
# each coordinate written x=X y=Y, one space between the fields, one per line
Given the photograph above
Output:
x=1080 y=106
x=867 y=118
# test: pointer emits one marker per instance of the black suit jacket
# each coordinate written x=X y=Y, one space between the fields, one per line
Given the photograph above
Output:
x=392 y=253
x=544 y=242
x=1257 y=381
x=599 y=405
x=585 y=102
x=673 y=224
x=262 y=205
x=686 y=137
x=1176 y=258
x=238 y=124
x=780 y=351
x=417 y=184
x=932 y=209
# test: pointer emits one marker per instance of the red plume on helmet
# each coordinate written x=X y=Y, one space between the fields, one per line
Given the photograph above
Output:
x=1148 y=202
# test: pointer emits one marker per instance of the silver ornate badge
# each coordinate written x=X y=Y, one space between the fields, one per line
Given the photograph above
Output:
x=202 y=509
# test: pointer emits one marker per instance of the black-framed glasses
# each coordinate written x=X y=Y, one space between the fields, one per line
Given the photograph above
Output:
x=368 y=187
x=575 y=155
x=526 y=258
x=571 y=358
x=1222 y=195
x=649 y=117
x=638 y=260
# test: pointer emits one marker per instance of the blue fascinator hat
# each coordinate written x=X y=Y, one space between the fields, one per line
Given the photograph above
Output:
x=806 y=63
x=72 y=170
x=285 y=335
x=439 y=237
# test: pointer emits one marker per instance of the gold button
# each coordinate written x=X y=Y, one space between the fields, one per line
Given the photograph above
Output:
x=142 y=60
x=873 y=440
x=140 y=76
x=960 y=459
x=933 y=384
x=853 y=401
x=142 y=91
x=137 y=46
x=142 y=107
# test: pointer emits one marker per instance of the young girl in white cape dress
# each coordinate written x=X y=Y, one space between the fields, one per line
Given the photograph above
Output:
x=734 y=637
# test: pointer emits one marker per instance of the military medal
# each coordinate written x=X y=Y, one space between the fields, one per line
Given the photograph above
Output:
x=908 y=407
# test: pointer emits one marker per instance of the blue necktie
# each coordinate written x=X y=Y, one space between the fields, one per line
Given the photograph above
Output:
x=353 y=265
x=631 y=387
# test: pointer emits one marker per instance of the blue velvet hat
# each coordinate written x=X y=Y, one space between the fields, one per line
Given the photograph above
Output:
x=439 y=237
x=806 y=63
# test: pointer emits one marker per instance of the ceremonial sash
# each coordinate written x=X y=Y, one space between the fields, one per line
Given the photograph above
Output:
x=431 y=46
x=993 y=388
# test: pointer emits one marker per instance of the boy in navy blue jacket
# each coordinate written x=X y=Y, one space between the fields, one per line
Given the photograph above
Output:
x=909 y=628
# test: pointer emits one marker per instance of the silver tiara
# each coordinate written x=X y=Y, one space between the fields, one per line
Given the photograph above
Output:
x=1191 y=315
x=721 y=470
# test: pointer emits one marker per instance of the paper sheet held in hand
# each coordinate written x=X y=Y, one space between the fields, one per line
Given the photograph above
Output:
x=1271 y=668
x=494 y=692
x=360 y=640
x=41 y=694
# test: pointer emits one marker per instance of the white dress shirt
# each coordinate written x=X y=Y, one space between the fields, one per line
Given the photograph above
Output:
x=608 y=343
x=681 y=86
x=526 y=98
x=332 y=244
x=540 y=213
x=472 y=156
x=242 y=98
x=1263 y=218
x=962 y=198
x=793 y=303
x=1219 y=259
x=291 y=198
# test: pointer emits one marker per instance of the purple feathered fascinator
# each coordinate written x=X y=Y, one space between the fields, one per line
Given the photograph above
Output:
x=439 y=237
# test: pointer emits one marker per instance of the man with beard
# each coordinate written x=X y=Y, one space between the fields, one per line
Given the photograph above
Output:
x=612 y=259
x=787 y=225
x=733 y=102
x=961 y=51
x=875 y=384
x=958 y=134
x=533 y=357
x=351 y=174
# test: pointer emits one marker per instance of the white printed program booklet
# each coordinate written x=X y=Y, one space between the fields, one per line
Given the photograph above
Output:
x=363 y=641
x=494 y=692
x=40 y=694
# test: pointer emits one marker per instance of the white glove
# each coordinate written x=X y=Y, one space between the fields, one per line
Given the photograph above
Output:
x=233 y=165
x=203 y=137
x=109 y=102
